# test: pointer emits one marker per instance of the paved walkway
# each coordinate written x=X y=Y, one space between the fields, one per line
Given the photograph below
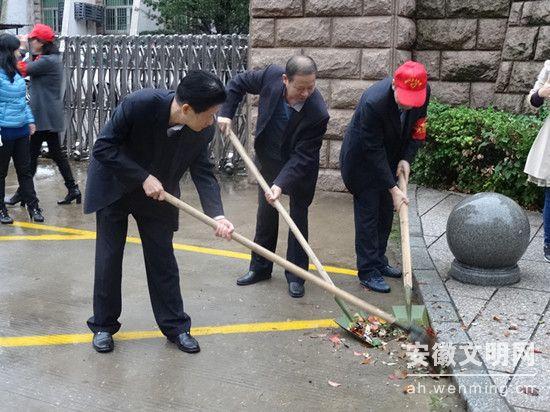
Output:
x=486 y=316
x=261 y=349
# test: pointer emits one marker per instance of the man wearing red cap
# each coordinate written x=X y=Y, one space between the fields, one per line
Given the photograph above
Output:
x=381 y=141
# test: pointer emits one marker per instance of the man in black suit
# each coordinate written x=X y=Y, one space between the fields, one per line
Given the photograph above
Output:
x=381 y=141
x=292 y=120
x=152 y=138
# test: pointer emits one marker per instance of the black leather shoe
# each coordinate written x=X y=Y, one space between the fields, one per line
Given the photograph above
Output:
x=103 y=342
x=296 y=290
x=376 y=283
x=5 y=218
x=74 y=194
x=252 y=277
x=547 y=252
x=390 y=272
x=186 y=342
x=16 y=198
x=35 y=214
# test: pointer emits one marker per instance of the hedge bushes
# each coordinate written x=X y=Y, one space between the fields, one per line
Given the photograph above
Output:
x=479 y=150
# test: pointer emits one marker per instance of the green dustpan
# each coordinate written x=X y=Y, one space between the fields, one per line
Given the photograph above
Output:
x=418 y=315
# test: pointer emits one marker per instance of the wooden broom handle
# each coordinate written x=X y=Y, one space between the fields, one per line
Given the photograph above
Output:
x=405 y=239
x=298 y=271
x=280 y=208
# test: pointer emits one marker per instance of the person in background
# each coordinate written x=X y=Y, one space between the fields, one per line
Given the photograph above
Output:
x=46 y=100
x=537 y=166
x=16 y=125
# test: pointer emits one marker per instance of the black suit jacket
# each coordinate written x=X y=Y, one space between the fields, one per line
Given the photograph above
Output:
x=304 y=133
x=374 y=142
x=134 y=144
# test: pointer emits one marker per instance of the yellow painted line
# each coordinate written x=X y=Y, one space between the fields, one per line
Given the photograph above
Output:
x=40 y=226
x=334 y=269
x=90 y=235
x=69 y=339
x=45 y=237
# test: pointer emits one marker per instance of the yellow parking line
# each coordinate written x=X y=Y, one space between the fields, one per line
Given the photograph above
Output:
x=40 y=226
x=46 y=237
x=90 y=235
x=69 y=339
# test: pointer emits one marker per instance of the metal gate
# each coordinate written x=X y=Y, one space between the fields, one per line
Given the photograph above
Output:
x=101 y=70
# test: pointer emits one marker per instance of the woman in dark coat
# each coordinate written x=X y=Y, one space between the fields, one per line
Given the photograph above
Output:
x=46 y=100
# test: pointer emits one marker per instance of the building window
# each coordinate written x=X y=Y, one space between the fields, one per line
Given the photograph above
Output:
x=117 y=16
x=50 y=13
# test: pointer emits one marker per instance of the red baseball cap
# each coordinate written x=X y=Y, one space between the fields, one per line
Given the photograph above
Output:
x=42 y=32
x=410 y=81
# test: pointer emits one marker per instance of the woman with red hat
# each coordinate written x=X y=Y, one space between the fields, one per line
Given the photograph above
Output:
x=46 y=101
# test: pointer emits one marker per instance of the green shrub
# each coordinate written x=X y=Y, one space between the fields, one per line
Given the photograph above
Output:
x=479 y=150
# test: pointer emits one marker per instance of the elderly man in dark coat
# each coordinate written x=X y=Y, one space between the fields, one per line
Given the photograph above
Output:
x=381 y=141
x=292 y=120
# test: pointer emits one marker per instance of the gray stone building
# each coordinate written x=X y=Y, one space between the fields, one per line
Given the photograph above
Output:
x=478 y=53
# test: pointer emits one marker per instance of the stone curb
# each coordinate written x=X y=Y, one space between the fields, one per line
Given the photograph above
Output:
x=445 y=319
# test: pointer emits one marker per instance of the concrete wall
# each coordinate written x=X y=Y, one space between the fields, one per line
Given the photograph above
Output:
x=460 y=42
x=526 y=46
x=483 y=53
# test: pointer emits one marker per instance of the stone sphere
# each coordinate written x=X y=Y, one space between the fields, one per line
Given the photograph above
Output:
x=488 y=231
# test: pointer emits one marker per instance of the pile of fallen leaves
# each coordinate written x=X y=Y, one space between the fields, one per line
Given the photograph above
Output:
x=374 y=330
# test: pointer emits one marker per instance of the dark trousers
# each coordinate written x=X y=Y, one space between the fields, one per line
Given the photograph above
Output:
x=267 y=225
x=546 y=215
x=373 y=213
x=160 y=265
x=56 y=153
x=18 y=149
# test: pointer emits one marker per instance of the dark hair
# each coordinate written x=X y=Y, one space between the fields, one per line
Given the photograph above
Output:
x=200 y=90
x=300 y=65
x=8 y=45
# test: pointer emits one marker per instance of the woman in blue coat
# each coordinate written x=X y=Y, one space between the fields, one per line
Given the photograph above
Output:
x=16 y=126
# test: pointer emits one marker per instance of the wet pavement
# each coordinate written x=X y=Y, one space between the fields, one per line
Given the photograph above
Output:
x=261 y=349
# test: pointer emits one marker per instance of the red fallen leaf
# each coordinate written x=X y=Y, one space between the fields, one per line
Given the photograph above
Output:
x=366 y=361
x=401 y=374
x=335 y=339
x=529 y=390
x=334 y=384
x=431 y=332
x=537 y=350
x=506 y=333
x=358 y=353
x=392 y=377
